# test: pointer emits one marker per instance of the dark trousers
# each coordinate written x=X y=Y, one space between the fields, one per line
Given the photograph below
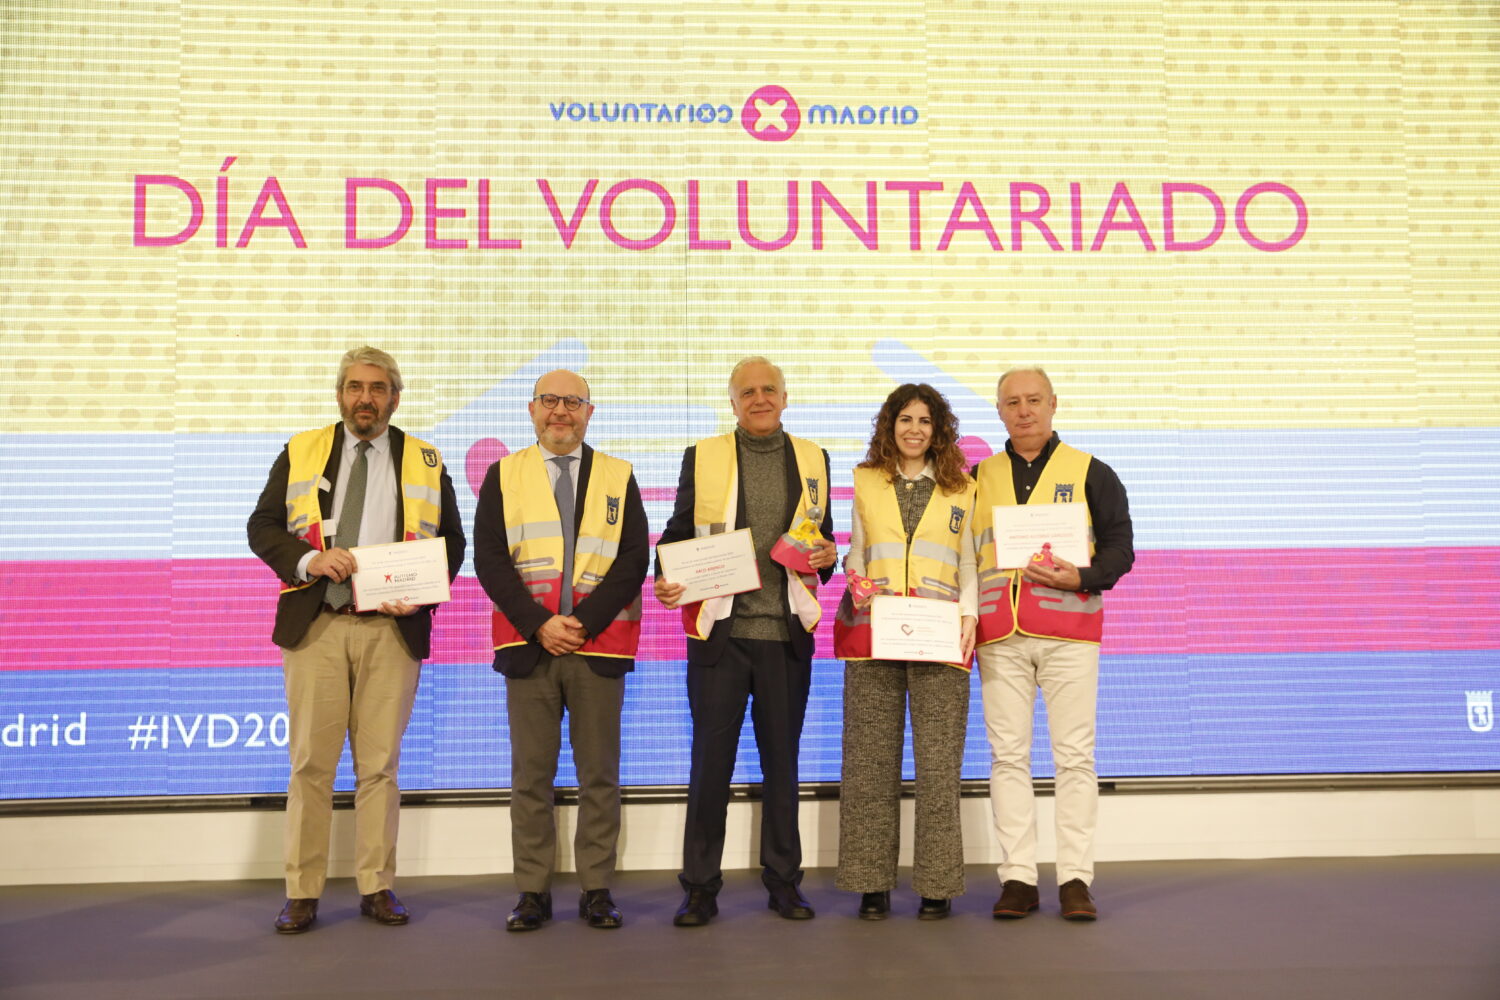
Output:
x=534 y=706
x=775 y=682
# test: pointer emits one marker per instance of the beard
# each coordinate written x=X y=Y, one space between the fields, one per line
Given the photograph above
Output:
x=366 y=418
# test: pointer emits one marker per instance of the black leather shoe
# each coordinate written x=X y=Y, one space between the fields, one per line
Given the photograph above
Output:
x=599 y=910
x=384 y=908
x=875 y=905
x=934 y=909
x=1077 y=902
x=296 y=916
x=532 y=910
x=697 y=909
x=1017 y=899
x=789 y=903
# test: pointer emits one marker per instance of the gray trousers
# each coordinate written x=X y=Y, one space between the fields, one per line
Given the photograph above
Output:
x=875 y=703
x=534 y=706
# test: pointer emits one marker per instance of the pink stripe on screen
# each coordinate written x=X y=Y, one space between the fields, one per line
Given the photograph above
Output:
x=218 y=612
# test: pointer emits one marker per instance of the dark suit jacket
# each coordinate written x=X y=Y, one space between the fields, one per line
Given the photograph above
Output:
x=497 y=574
x=281 y=550
x=706 y=652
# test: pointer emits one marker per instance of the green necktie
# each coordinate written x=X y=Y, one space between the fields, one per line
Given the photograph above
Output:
x=353 y=511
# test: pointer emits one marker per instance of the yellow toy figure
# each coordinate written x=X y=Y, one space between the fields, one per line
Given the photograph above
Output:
x=794 y=549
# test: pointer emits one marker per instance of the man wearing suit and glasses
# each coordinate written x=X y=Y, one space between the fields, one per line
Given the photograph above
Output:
x=561 y=546
x=349 y=671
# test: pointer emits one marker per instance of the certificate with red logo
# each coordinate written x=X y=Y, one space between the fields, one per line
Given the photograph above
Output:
x=711 y=566
x=1021 y=531
x=915 y=628
x=414 y=572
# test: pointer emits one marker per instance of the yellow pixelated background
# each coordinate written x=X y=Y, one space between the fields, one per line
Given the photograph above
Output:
x=1382 y=116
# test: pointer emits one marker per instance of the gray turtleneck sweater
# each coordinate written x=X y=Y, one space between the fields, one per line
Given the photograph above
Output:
x=761 y=614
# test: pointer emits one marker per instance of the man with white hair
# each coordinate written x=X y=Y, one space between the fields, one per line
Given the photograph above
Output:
x=356 y=482
x=753 y=647
x=1040 y=627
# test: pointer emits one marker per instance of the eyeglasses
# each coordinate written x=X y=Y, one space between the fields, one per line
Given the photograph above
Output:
x=550 y=401
x=376 y=389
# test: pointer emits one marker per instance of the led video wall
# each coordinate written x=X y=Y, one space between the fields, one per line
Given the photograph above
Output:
x=1253 y=244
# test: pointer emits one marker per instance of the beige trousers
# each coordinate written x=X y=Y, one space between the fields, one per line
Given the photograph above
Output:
x=352 y=675
x=1010 y=672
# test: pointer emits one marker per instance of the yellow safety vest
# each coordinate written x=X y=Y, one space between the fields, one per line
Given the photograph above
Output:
x=1008 y=604
x=533 y=530
x=421 y=488
x=928 y=567
x=716 y=499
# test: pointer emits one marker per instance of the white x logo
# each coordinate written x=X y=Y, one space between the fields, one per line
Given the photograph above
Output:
x=772 y=116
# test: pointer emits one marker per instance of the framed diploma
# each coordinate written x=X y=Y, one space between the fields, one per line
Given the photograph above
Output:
x=915 y=628
x=1021 y=531
x=711 y=566
x=414 y=572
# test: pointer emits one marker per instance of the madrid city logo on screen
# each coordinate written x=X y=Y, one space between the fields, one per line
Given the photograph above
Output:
x=769 y=114
x=1481 y=710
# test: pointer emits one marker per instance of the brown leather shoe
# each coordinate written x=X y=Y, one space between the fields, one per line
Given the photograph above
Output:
x=296 y=916
x=1076 y=902
x=384 y=908
x=1017 y=899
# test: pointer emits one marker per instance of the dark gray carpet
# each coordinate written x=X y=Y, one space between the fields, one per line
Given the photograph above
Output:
x=1369 y=929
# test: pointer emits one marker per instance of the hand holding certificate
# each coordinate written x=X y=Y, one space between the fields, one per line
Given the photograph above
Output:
x=406 y=572
x=915 y=628
x=711 y=566
x=1021 y=531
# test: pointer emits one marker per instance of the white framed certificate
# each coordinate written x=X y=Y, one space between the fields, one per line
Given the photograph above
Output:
x=711 y=566
x=915 y=628
x=415 y=572
x=1021 y=531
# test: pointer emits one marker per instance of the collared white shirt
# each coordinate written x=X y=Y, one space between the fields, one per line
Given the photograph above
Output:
x=968 y=571
x=377 y=524
x=553 y=471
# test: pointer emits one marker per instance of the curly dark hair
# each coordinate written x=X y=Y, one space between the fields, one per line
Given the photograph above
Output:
x=948 y=462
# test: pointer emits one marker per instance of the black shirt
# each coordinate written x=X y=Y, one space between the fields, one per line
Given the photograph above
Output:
x=1109 y=510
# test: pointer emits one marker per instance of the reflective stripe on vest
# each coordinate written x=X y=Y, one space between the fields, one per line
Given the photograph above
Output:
x=1005 y=608
x=533 y=530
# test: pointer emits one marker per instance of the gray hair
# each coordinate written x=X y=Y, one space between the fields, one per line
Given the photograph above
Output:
x=370 y=356
x=1024 y=370
x=756 y=359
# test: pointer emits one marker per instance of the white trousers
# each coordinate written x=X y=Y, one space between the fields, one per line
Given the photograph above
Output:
x=1067 y=673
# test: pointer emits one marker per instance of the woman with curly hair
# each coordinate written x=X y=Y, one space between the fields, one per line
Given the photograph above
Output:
x=911 y=535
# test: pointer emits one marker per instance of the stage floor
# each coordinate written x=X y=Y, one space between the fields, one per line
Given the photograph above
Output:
x=1366 y=928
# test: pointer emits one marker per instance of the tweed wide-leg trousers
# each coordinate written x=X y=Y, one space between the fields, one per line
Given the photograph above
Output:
x=876 y=696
